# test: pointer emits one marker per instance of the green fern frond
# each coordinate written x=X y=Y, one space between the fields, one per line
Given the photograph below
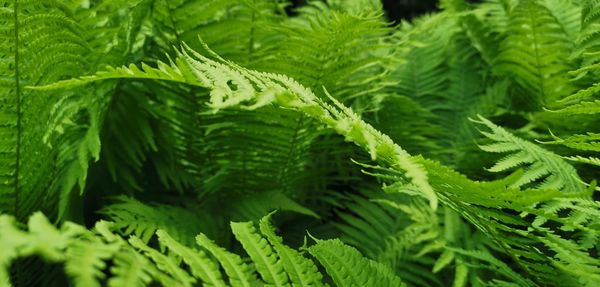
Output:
x=239 y=273
x=137 y=264
x=587 y=42
x=255 y=89
x=234 y=28
x=301 y=271
x=568 y=15
x=50 y=137
x=488 y=261
x=538 y=228
x=534 y=53
x=348 y=268
x=584 y=107
x=586 y=142
x=143 y=220
x=266 y=261
x=542 y=165
x=200 y=265
x=421 y=76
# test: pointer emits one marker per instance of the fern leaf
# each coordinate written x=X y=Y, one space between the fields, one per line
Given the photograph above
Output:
x=164 y=263
x=580 y=108
x=587 y=41
x=143 y=220
x=586 y=142
x=286 y=92
x=266 y=260
x=201 y=266
x=301 y=271
x=489 y=261
x=556 y=172
x=534 y=53
x=86 y=260
x=174 y=72
x=539 y=223
x=238 y=272
x=348 y=268
x=48 y=141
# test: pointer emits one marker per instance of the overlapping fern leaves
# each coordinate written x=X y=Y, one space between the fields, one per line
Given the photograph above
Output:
x=248 y=113
x=86 y=255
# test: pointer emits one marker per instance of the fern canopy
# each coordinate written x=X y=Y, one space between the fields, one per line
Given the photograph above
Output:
x=267 y=143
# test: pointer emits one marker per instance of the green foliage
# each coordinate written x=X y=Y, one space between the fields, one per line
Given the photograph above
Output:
x=141 y=129
x=86 y=255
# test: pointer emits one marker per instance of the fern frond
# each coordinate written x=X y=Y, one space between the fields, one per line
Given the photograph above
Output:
x=348 y=268
x=255 y=89
x=200 y=265
x=237 y=29
x=266 y=261
x=527 y=237
x=50 y=137
x=583 y=107
x=176 y=71
x=422 y=75
x=164 y=263
x=39 y=45
x=301 y=271
x=568 y=15
x=487 y=260
x=86 y=260
x=534 y=53
x=134 y=217
x=239 y=273
x=541 y=164
x=587 y=42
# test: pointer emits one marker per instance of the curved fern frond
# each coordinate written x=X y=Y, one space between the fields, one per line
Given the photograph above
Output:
x=542 y=165
x=255 y=89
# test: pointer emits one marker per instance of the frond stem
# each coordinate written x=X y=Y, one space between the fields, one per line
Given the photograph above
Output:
x=18 y=95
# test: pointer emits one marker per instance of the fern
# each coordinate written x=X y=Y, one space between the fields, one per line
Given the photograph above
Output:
x=545 y=166
x=536 y=37
x=142 y=145
x=103 y=245
x=286 y=93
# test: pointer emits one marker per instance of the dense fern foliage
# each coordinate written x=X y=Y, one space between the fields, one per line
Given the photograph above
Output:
x=252 y=143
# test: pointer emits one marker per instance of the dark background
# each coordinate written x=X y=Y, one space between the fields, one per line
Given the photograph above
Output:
x=407 y=9
x=402 y=9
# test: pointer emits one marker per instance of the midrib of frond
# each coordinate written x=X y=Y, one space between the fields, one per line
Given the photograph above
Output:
x=283 y=175
x=536 y=48
x=459 y=118
x=18 y=106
